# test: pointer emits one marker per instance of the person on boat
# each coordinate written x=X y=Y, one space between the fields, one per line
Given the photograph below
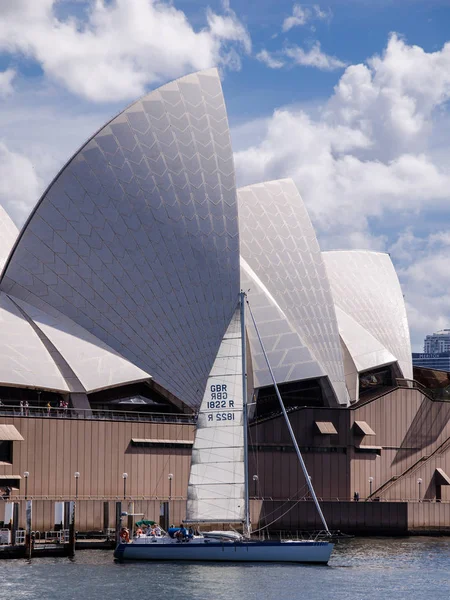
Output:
x=183 y=533
x=157 y=530
x=125 y=535
x=178 y=535
x=138 y=532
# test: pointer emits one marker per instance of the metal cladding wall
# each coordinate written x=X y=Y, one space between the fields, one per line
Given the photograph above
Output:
x=413 y=433
x=272 y=456
x=366 y=287
x=8 y=235
x=136 y=239
x=101 y=451
x=279 y=244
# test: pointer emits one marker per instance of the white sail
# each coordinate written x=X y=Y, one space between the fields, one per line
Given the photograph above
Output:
x=216 y=488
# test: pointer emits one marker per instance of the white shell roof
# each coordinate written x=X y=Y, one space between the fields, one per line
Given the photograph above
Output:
x=366 y=351
x=8 y=235
x=280 y=246
x=289 y=357
x=95 y=364
x=24 y=359
x=366 y=287
x=136 y=240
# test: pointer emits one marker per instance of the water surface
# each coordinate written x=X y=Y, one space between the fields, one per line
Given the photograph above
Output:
x=361 y=569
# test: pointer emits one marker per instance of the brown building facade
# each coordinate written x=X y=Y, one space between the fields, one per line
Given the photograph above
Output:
x=391 y=450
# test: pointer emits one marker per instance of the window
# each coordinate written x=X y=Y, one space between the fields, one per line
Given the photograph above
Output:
x=141 y=443
x=5 y=451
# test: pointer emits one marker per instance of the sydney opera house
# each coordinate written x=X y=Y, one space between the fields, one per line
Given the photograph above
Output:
x=115 y=297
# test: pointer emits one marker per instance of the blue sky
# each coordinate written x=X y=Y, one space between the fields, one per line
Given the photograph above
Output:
x=347 y=97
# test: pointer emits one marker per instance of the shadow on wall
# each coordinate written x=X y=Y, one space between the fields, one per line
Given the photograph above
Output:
x=428 y=424
x=430 y=492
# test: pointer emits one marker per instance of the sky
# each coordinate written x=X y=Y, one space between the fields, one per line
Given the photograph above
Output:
x=350 y=98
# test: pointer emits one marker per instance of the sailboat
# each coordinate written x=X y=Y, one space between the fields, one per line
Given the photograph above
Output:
x=218 y=490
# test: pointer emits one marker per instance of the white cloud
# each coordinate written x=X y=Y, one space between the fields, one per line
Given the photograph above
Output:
x=299 y=17
x=265 y=57
x=6 y=79
x=41 y=127
x=298 y=57
x=20 y=184
x=369 y=149
x=393 y=98
x=423 y=270
x=303 y=14
x=322 y=14
x=120 y=47
x=314 y=58
x=372 y=163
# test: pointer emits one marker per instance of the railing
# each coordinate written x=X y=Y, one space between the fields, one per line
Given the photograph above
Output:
x=20 y=537
x=40 y=412
x=436 y=394
x=70 y=497
x=5 y=536
x=412 y=383
x=59 y=537
x=344 y=499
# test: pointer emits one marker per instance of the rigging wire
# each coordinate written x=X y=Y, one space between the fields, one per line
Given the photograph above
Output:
x=293 y=499
x=288 y=423
x=280 y=517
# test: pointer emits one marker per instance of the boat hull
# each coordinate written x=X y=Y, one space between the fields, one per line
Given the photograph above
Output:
x=298 y=552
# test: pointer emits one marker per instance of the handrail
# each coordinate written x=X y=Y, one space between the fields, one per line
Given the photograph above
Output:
x=401 y=383
x=183 y=498
x=411 y=469
x=69 y=497
x=93 y=414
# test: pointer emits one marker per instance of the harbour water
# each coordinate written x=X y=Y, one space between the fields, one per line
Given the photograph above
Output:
x=415 y=568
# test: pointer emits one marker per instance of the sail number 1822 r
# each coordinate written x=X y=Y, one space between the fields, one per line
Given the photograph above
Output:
x=221 y=417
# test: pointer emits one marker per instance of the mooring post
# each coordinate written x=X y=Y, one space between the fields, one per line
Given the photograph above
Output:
x=105 y=516
x=15 y=522
x=28 y=513
x=118 y=520
x=130 y=523
x=72 y=536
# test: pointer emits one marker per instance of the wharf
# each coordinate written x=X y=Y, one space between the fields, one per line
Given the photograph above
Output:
x=54 y=549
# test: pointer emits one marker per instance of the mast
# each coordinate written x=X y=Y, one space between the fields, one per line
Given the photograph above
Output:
x=291 y=431
x=242 y=297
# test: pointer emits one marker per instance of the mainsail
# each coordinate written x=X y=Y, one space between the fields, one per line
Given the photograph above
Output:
x=216 y=491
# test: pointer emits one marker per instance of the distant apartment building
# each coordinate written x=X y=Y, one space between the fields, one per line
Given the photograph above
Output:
x=436 y=352
x=432 y=360
x=437 y=342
